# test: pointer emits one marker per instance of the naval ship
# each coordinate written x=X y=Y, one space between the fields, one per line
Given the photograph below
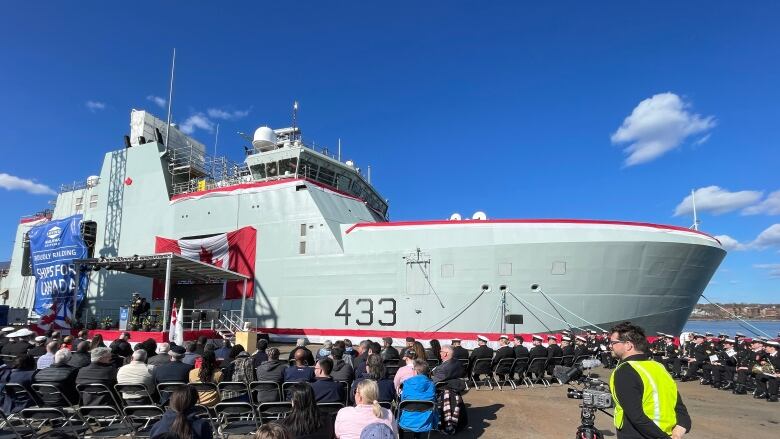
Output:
x=330 y=264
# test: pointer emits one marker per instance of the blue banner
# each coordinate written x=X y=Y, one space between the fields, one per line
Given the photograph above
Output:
x=53 y=247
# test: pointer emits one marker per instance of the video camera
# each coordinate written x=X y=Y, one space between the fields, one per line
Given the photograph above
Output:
x=595 y=395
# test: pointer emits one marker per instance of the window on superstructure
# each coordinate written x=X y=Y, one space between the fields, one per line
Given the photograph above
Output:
x=303 y=229
x=302 y=248
x=79 y=203
x=93 y=201
x=326 y=176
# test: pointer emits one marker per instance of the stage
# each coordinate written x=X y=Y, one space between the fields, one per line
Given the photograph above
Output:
x=110 y=335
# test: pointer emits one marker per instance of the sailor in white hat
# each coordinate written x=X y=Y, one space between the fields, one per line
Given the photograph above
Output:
x=39 y=347
x=504 y=352
x=482 y=352
x=4 y=335
x=458 y=351
x=568 y=350
x=536 y=368
x=554 y=352
x=18 y=343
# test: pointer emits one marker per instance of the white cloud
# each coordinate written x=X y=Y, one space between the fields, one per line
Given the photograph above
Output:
x=657 y=125
x=730 y=243
x=773 y=269
x=160 y=102
x=95 y=105
x=13 y=183
x=196 y=121
x=770 y=206
x=218 y=113
x=716 y=200
x=768 y=238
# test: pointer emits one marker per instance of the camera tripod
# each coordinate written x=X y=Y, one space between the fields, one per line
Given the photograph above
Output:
x=587 y=428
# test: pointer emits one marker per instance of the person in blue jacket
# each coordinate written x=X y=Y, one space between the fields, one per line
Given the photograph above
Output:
x=419 y=388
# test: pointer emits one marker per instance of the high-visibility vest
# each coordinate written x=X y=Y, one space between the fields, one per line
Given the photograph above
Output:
x=659 y=398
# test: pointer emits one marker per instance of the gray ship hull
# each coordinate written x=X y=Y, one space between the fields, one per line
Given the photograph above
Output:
x=328 y=266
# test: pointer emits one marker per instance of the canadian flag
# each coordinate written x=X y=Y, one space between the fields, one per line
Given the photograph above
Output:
x=234 y=251
x=176 y=332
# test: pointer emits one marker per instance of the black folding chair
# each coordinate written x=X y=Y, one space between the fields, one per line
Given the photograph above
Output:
x=346 y=388
x=567 y=360
x=134 y=394
x=433 y=362
x=391 y=369
x=14 y=428
x=205 y=387
x=286 y=388
x=416 y=406
x=519 y=368
x=165 y=390
x=52 y=396
x=386 y=404
x=105 y=421
x=465 y=363
x=550 y=366
x=57 y=418
x=504 y=368
x=273 y=410
x=21 y=397
x=482 y=367
x=236 y=418
x=233 y=389
x=262 y=391
x=540 y=371
x=330 y=408
x=97 y=391
x=142 y=418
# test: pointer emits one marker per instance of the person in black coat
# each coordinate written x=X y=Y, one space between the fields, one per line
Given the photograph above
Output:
x=120 y=346
x=389 y=353
x=580 y=347
x=504 y=352
x=16 y=346
x=554 y=354
x=172 y=372
x=81 y=357
x=301 y=346
x=39 y=348
x=700 y=356
x=767 y=385
x=61 y=375
x=537 y=351
x=271 y=370
x=100 y=371
x=567 y=350
x=22 y=374
x=458 y=351
x=482 y=352
x=342 y=371
x=260 y=356
x=325 y=388
x=450 y=367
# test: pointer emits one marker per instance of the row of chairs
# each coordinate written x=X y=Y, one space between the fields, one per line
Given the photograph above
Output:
x=506 y=369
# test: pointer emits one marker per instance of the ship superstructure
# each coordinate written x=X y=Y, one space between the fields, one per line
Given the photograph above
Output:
x=328 y=262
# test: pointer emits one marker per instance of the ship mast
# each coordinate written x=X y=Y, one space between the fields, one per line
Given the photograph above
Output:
x=696 y=221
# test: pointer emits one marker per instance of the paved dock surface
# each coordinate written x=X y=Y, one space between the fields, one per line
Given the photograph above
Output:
x=547 y=413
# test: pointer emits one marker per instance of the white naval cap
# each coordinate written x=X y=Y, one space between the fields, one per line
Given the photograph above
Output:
x=566 y=338
x=503 y=336
x=537 y=337
x=24 y=332
x=40 y=338
x=8 y=329
x=482 y=338
x=581 y=338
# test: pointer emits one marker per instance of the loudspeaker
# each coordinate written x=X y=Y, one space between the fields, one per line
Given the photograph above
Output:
x=513 y=319
x=26 y=262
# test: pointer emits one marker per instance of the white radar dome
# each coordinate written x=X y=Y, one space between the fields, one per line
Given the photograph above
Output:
x=264 y=139
x=455 y=217
x=92 y=180
x=479 y=215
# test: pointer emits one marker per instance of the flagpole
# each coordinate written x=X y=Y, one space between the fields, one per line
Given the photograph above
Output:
x=167 y=290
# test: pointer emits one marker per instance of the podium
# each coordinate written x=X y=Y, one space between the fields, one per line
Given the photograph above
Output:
x=247 y=339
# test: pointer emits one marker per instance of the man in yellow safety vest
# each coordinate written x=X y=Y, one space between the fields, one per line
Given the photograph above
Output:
x=647 y=404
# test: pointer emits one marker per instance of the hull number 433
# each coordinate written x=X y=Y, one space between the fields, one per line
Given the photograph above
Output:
x=364 y=314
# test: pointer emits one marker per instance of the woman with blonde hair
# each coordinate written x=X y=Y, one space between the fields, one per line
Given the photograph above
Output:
x=350 y=421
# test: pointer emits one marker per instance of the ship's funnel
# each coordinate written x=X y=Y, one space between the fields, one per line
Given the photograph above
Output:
x=264 y=139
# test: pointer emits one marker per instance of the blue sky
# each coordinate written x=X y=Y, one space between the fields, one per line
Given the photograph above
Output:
x=519 y=109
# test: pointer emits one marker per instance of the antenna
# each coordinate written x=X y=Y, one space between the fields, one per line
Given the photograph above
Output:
x=696 y=221
x=170 y=100
x=369 y=174
x=339 y=148
x=294 y=117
